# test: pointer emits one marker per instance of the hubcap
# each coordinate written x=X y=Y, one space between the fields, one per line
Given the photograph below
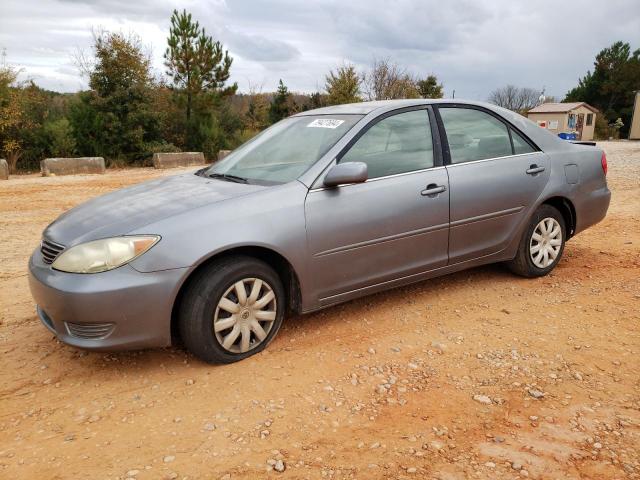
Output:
x=245 y=315
x=545 y=243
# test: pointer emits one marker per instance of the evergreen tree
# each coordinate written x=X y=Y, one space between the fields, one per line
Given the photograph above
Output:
x=279 y=108
x=611 y=85
x=199 y=68
x=256 y=117
x=115 y=119
x=59 y=138
x=317 y=100
x=343 y=86
x=429 y=87
x=195 y=63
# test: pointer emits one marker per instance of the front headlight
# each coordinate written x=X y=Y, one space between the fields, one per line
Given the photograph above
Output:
x=105 y=254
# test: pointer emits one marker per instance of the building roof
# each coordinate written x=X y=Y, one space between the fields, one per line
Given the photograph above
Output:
x=561 y=107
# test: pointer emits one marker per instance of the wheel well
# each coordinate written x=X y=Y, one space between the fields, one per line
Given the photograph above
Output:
x=281 y=265
x=567 y=210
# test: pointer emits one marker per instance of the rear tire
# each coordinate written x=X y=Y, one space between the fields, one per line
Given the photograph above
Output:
x=231 y=309
x=541 y=245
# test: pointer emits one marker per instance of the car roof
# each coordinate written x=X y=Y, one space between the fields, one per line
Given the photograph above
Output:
x=544 y=139
x=364 y=108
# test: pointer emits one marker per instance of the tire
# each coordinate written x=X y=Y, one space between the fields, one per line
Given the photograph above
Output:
x=529 y=261
x=213 y=297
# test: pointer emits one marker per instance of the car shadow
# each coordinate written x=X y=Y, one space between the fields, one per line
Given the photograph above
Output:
x=398 y=295
x=165 y=359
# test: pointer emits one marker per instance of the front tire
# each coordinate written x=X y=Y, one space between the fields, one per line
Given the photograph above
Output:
x=231 y=309
x=541 y=245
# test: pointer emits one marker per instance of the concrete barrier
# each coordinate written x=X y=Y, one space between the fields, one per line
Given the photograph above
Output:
x=72 y=166
x=223 y=153
x=4 y=169
x=182 y=159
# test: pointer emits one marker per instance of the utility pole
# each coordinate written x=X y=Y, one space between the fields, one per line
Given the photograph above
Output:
x=454 y=94
x=4 y=57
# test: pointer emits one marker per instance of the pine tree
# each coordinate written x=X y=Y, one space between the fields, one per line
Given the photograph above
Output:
x=279 y=108
x=317 y=100
x=195 y=63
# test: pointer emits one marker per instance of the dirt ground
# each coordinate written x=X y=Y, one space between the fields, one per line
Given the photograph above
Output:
x=382 y=387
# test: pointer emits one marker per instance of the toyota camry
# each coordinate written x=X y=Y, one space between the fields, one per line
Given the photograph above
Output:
x=323 y=207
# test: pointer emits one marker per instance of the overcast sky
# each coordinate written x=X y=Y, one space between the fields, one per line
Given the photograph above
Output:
x=472 y=46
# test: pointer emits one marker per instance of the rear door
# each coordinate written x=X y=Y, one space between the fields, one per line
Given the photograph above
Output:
x=495 y=176
x=391 y=226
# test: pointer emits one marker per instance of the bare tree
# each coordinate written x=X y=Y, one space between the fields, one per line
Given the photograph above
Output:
x=515 y=98
x=387 y=80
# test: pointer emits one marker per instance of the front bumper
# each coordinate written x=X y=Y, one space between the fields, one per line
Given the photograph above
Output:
x=116 y=310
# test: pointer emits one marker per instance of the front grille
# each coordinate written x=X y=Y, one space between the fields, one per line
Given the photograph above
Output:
x=50 y=250
x=89 y=331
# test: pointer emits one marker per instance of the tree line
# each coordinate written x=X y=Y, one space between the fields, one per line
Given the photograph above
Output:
x=610 y=87
x=127 y=114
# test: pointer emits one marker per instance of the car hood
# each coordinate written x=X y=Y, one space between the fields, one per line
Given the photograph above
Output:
x=122 y=211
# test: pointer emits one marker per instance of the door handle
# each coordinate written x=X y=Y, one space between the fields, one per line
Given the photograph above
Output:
x=533 y=169
x=432 y=189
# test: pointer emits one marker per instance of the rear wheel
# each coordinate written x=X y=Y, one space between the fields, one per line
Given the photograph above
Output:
x=542 y=244
x=231 y=310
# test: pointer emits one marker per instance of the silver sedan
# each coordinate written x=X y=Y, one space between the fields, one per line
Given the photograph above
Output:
x=323 y=207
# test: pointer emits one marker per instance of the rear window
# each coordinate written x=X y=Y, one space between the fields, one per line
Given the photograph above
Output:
x=520 y=145
x=474 y=135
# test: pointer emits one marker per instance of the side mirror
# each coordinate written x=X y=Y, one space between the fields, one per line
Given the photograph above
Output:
x=348 y=172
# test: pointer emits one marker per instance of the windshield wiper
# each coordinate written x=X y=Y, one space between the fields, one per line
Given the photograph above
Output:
x=228 y=177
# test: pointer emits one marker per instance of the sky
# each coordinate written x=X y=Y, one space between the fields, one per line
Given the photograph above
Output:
x=472 y=46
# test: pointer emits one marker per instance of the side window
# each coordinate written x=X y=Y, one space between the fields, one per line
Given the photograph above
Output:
x=474 y=135
x=519 y=144
x=397 y=144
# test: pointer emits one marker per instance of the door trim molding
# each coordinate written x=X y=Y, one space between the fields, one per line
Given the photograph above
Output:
x=487 y=216
x=471 y=162
x=330 y=300
x=377 y=241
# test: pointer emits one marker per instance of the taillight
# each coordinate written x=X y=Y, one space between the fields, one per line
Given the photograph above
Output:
x=603 y=160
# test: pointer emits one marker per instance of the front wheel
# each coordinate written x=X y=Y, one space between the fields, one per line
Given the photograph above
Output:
x=542 y=244
x=231 y=309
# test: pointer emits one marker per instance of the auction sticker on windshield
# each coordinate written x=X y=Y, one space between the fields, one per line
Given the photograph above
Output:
x=326 y=123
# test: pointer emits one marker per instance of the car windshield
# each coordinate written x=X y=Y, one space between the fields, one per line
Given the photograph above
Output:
x=284 y=151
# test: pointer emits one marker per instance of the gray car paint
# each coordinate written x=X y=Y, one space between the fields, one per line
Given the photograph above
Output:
x=489 y=200
x=341 y=243
x=118 y=212
x=385 y=228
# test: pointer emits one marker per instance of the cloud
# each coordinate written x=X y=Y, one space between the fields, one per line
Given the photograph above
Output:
x=259 y=48
x=473 y=46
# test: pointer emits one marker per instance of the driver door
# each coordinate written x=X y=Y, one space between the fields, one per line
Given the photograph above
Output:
x=394 y=225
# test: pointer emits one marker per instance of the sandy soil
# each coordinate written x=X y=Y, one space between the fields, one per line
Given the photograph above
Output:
x=382 y=387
